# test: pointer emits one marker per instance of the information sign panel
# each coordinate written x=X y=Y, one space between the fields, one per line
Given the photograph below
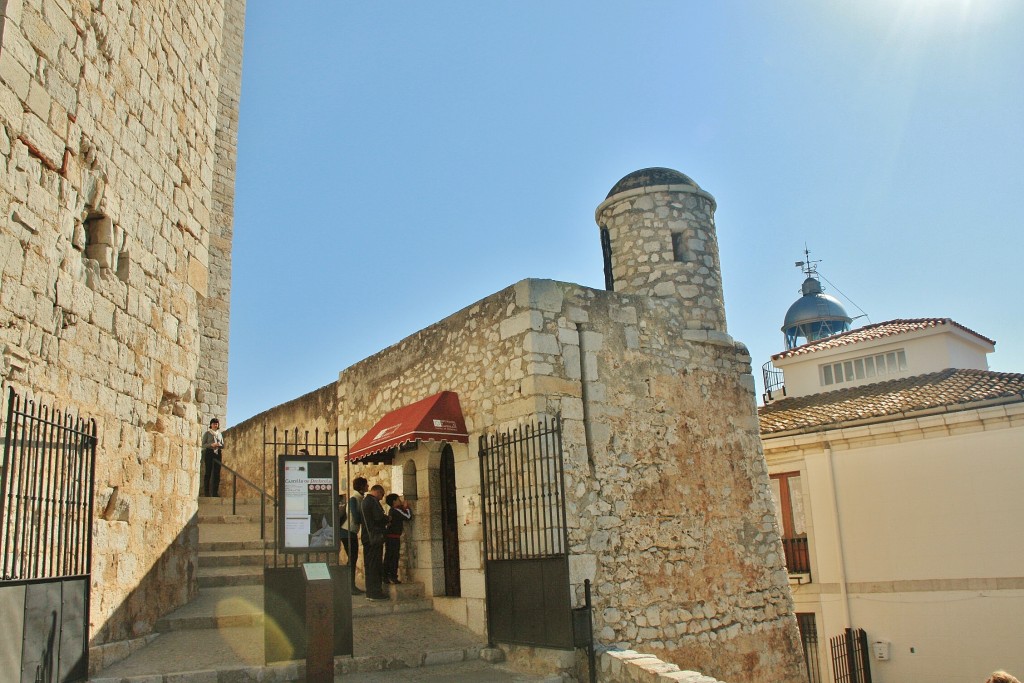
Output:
x=308 y=517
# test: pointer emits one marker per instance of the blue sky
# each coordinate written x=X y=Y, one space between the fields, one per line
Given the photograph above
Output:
x=398 y=161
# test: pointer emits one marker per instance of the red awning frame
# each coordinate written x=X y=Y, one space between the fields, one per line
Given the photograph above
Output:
x=435 y=418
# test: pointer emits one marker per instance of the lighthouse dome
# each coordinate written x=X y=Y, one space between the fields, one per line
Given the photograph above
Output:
x=813 y=316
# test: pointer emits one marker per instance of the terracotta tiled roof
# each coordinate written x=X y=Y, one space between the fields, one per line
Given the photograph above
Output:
x=875 y=331
x=949 y=388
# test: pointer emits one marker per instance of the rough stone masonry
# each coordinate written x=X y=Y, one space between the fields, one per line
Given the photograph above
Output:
x=670 y=513
x=118 y=125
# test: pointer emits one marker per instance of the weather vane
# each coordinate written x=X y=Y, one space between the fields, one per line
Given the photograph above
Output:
x=807 y=265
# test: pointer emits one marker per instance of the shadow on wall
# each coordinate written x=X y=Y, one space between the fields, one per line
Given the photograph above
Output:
x=171 y=582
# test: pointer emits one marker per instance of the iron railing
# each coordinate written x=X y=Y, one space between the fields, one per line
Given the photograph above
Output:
x=46 y=493
x=798 y=558
x=809 y=640
x=850 y=660
x=522 y=472
x=773 y=382
x=264 y=496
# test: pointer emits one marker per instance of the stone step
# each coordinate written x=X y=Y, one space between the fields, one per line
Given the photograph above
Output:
x=243 y=531
x=219 y=546
x=242 y=605
x=239 y=518
x=466 y=671
x=231 y=558
x=441 y=651
x=405 y=591
x=212 y=577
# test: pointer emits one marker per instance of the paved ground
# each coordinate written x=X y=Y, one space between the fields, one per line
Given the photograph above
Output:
x=393 y=636
x=464 y=672
x=219 y=636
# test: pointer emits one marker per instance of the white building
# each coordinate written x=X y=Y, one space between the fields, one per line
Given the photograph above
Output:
x=897 y=462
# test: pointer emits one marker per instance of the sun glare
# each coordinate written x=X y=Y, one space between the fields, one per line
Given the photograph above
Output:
x=948 y=14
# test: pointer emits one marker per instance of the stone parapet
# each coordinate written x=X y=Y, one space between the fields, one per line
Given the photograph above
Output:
x=629 y=666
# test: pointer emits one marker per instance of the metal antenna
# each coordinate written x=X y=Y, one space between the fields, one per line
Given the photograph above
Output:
x=808 y=266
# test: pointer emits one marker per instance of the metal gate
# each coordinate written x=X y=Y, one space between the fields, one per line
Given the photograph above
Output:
x=850 y=658
x=46 y=500
x=526 y=558
x=284 y=583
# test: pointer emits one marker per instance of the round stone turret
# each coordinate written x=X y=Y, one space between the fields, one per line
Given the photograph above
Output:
x=658 y=239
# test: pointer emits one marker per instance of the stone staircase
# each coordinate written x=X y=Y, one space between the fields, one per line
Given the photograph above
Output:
x=219 y=635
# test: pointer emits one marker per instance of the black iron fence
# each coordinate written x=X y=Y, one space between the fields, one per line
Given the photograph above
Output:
x=46 y=501
x=774 y=382
x=809 y=640
x=46 y=492
x=850 y=656
x=523 y=483
x=526 y=559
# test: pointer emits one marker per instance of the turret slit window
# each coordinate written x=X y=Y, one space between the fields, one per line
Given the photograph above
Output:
x=606 y=253
x=679 y=251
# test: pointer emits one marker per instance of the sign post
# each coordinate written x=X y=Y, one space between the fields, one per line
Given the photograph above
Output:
x=319 y=623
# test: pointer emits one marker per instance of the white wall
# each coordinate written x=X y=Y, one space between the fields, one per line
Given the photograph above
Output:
x=931 y=517
x=929 y=350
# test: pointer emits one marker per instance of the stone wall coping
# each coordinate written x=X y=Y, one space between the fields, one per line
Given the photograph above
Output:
x=651 y=189
x=630 y=666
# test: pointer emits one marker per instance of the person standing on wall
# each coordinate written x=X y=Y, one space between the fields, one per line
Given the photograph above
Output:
x=374 y=524
x=352 y=526
x=213 y=443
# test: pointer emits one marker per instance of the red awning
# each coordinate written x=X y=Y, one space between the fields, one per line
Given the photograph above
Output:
x=435 y=418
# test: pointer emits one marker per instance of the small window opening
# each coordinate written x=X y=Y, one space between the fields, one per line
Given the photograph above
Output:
x=105 y=244
x=679 y=251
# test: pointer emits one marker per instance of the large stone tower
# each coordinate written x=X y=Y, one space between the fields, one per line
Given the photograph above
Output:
x=118 y=132
x=658 y=238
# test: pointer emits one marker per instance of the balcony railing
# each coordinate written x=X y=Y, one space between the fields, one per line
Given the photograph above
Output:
x=798 y=559
x=774 y=382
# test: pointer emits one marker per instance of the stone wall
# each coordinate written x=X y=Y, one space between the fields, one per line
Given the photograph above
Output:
x=669 y=508
x=109 y=116
x=212 y=380
x=303 y=419
x=662 y=243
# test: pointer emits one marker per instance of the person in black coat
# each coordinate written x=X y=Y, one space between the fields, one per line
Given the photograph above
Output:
x=374 y=525
x=398 y=515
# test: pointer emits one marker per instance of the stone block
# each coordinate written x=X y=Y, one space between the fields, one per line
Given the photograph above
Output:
x=14 y=74
x=49 y=143
x=198 y=277
x=544 y=295
x=568 y=335
x=38 y=100
x=520 y=323
x=571 y=362
x=494 y=655
x=538 y=342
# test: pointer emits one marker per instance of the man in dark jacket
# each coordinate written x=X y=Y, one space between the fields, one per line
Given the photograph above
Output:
x=374 y=524
x=353 y=524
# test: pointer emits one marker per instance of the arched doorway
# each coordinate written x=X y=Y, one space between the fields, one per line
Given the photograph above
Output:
x=449 y=524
